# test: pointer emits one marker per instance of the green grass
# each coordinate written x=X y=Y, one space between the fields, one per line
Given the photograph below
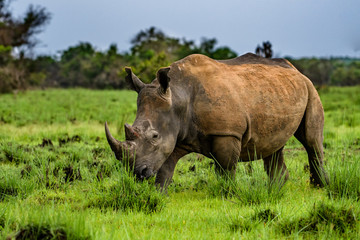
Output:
x=60 y=180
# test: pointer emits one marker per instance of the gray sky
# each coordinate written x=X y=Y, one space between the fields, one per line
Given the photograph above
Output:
x=297 y=28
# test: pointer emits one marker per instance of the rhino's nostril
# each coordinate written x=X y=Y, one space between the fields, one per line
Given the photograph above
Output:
x=144 y=171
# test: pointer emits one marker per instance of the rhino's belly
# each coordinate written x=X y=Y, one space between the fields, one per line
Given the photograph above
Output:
x=268 y=134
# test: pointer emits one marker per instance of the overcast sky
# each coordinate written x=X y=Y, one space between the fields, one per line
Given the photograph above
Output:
x=296 y=28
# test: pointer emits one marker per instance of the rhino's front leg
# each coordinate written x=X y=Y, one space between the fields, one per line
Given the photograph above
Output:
x=226 y=153
x=165 y=173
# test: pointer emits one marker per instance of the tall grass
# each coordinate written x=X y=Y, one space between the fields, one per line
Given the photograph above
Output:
x=11 y=185
x=124 y=192
x=249 y=188
x=344 y=177
x=323 y=217
x=44 y=223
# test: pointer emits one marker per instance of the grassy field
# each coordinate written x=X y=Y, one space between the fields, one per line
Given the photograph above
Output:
x=60 y=180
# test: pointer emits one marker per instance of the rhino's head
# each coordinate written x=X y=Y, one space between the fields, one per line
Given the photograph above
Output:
x=152 y=137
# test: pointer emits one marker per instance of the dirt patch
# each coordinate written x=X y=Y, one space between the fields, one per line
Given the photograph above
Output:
x=72 y=174
x=265 y=215
x=65 y=140
x=26 y=170
x=98 y=152
x=46 y=143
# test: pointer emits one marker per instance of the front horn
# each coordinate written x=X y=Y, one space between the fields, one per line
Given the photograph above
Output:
x=114 y=144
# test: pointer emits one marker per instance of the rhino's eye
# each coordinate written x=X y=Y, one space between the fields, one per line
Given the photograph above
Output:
x=155 y=136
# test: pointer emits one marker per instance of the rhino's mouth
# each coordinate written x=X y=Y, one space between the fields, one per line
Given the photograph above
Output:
x=144 y=172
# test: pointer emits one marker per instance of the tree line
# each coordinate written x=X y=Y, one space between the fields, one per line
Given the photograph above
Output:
x=83 y=65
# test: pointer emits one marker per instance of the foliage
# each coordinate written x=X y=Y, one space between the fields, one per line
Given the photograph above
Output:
x=17 y=35
x=264 y=51
x=82 y=65
x=20 y=32
x=333 y=71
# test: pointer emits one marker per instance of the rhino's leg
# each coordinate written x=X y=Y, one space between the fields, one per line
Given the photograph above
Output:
x=166 y=172
x=226 y=153
x=310 y=134
x=275 y=167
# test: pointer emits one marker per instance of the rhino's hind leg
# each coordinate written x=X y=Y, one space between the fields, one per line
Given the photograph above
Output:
x=226 y=152
x=310 y=134
x=275 y=167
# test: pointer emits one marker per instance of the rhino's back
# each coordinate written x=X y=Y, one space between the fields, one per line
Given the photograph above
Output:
x=250 y=58
x=257 y=100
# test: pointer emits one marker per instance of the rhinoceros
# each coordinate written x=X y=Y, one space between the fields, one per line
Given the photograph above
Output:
x=241 y=109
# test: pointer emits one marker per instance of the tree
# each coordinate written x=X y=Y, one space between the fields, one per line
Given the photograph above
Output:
x=82 y=65
x=153 y=49
x=21 y=32
x=265 y=50
x=18 y=35
x=207 y=47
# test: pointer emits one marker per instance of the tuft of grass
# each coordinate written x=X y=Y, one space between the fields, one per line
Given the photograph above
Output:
x=12 y=186
x=248 y=223
x=43 y=223
x=252 y=189
x=14 y=153
x=322 y=217
x=265 y=215
x=344 y=178
x=126 y=193
x=241 y=224
x=34 y=232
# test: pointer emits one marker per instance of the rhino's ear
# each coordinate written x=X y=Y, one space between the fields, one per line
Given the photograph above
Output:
x=135 y=83
x=163 y=78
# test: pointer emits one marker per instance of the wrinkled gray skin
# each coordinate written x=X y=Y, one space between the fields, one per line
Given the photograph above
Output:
x=241 y=109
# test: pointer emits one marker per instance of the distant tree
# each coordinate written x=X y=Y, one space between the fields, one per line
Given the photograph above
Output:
x=319 y=71
x=346 y=74
x=152 y=49
x=82 y=65
x=207 y=47
x=17 y=35
x=264 y=50
x=148 y=36
x=18 y=32
x=45 y=71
